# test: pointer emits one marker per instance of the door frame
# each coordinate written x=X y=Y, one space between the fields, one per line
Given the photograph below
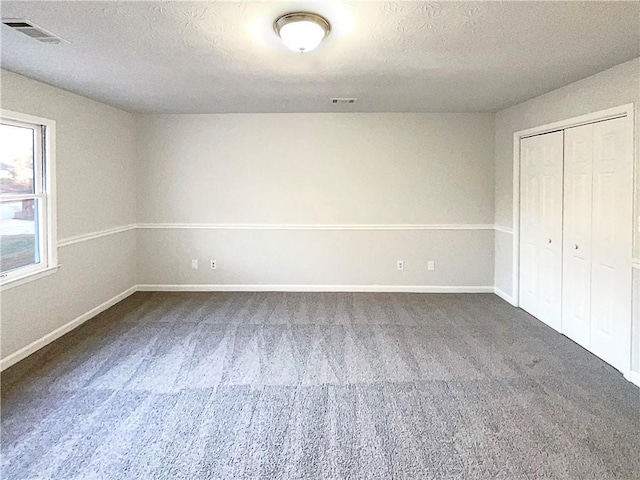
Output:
x=622 y=111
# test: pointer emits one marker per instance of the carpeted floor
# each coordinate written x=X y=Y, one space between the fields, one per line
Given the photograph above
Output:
x=317 y=386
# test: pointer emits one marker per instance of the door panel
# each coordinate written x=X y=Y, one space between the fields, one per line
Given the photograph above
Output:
x=612 y=243
x=550 y=286
x=578 y=177
x=529 y=219
x=541 y=227
x=576 y=235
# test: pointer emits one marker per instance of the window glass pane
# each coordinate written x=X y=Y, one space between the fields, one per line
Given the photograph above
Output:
x=16 y=159
x=18 y=234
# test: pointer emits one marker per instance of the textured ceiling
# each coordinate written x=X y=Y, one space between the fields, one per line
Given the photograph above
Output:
x=223 y=56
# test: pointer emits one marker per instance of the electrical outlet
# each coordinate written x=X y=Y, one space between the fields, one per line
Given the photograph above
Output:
x=431 y=265
x=212 y=264
x=194 y=264
x=400 y=265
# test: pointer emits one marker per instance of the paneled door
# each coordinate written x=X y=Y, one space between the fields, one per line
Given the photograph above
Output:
x=611 y=244
x=541 y=227
x=578 y=197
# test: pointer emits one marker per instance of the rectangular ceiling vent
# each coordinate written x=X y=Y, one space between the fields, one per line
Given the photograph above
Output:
x=32 y=30
x=338 y=101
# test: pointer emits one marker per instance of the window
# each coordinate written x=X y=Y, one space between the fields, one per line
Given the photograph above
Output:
x=27 y=220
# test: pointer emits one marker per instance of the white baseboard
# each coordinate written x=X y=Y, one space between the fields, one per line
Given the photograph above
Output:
x=506 y=297
x=634 y=377
x=314 y=288
x=58 y=332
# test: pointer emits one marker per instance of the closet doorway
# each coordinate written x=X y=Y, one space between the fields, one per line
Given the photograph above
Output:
x=573 y=235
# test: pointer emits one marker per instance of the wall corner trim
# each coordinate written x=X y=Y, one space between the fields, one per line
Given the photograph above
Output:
x=506 y=297
x=633 y=377
x=60 y=331
x=507 y=230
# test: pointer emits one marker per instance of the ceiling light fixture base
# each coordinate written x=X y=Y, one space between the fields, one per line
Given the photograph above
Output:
x=302 y=31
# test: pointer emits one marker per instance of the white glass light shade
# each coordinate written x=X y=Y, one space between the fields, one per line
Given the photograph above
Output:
x=302 y=32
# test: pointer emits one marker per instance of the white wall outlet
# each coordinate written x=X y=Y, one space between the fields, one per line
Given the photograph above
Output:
x=431 y=265
x=400 y=264
x=212 y=265
x=194 y=264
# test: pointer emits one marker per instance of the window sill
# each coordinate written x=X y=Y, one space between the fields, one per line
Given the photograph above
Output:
x=8 y=283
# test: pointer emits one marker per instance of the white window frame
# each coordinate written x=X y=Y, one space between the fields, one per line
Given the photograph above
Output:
x=44 y=191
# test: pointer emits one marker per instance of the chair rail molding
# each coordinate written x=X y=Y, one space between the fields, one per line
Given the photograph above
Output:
x=242 y=226
x=93 y=235
x=248 y=226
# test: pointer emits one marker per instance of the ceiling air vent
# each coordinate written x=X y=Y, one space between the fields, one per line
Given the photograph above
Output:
x=343 y=100
x=31 y=30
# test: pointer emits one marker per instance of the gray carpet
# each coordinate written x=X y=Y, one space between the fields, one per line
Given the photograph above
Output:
x=317 y=386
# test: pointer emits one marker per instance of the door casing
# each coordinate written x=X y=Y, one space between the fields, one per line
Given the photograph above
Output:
x=623 y=111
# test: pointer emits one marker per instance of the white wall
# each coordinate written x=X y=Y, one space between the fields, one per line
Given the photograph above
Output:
x=95 y=160
x=416 y=171
x=316 y=169
x=616 y=86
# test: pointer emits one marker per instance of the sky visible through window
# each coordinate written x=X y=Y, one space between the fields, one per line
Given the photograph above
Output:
x=17 y=217
x=16 y=159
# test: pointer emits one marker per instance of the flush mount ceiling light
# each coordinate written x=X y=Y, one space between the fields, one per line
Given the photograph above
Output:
x=302 y=32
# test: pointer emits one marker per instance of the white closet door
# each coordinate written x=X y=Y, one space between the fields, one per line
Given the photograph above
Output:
x=541 y=227
x=576 y=270
x=531 y=151
x=611 y=249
